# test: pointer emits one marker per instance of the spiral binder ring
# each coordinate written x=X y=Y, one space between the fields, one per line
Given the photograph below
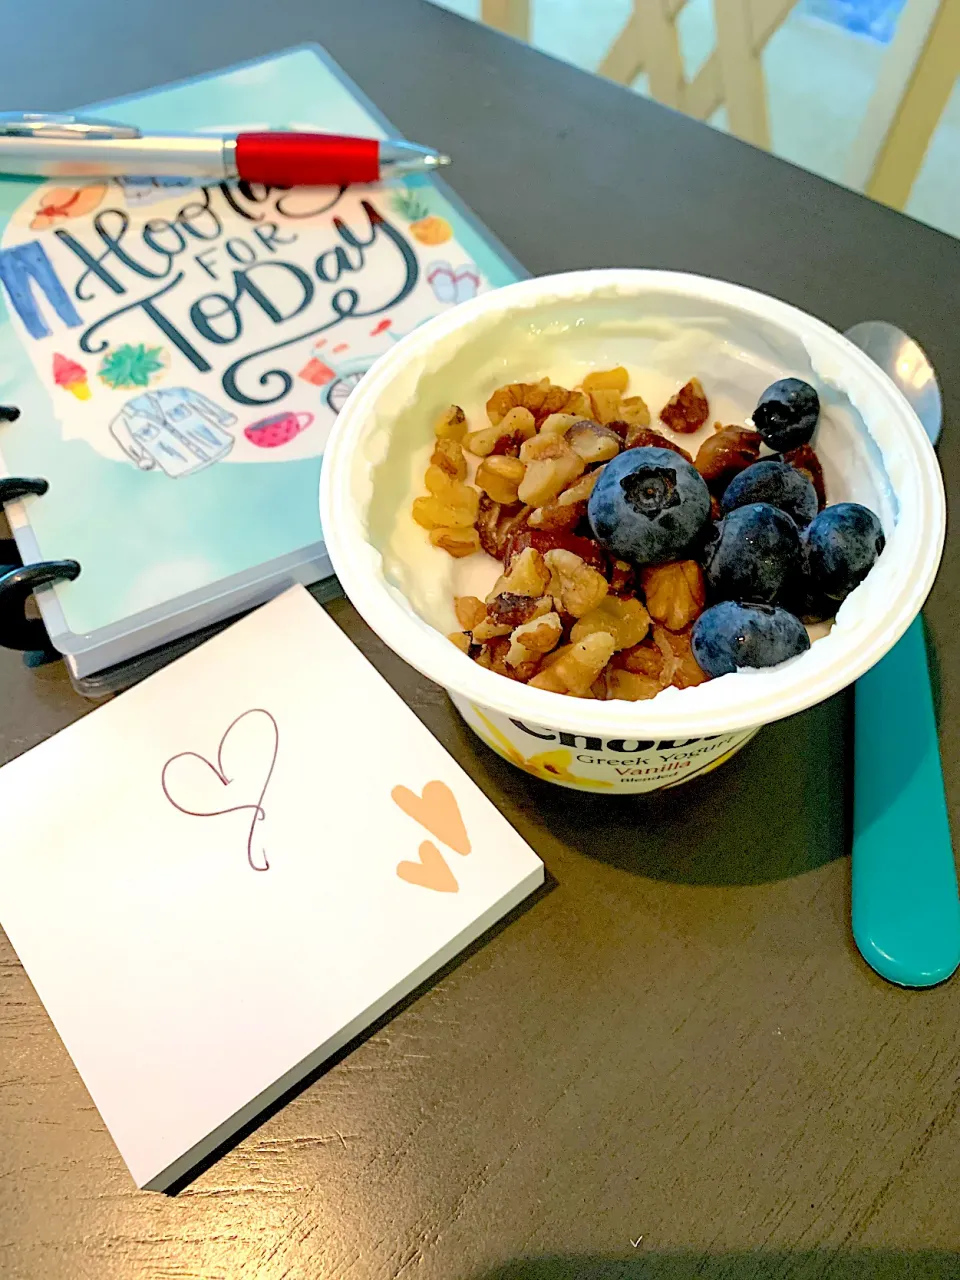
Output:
x=17 y=583
x=17 y=631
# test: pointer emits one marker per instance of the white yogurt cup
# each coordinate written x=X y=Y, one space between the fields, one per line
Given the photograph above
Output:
x=673 y=326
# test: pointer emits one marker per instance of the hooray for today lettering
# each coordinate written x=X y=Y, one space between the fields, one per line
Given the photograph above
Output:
x=231 y=265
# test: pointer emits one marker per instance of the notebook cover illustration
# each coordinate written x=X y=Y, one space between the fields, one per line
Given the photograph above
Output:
x=179 y=353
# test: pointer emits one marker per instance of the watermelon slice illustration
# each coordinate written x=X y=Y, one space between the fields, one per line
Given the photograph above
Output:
x=280 y=429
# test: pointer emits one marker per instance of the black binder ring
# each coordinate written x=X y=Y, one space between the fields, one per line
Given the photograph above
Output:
x=17 y=631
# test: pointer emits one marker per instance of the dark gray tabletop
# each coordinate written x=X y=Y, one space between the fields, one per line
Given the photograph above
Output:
x=678 y=1041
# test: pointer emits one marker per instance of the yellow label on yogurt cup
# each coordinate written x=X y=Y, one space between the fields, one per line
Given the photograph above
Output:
x=587 y=762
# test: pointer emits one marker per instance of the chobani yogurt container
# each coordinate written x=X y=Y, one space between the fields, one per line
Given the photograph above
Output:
x=664 y=327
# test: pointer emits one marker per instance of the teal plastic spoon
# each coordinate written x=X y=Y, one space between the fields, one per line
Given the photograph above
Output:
x=905 y=905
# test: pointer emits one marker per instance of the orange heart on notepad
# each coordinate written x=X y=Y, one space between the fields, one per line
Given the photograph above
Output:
x=431 y=872
x=437 y=811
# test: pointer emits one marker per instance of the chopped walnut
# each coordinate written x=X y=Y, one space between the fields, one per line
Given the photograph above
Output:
x=626 y=620
x=494 y=657
x=675 y=592
x=516 y=426
x=688 y=410
x=499 y=478
x=644 y=659
x=488 y=629
x=806 y=461
x=496 y=523
x=545 y=540
x=455 y=511
x=557 y=516
x=540 y=398
x=680 y=667
x=593 y=442
x=452 y=424
x=448 y=457
x=528 y=575
x=607 y=380
x=621 y=578
x=725 y=454
x=557 y=424
x=629 y=686
x=513 y=610
x=578 y=667
x=458 y=542
x=461 y=640
x=578 y=587
x=634 y=412
x=581 y=489
x=643 y=437
x=470 y=611
x=551 y=466
x=607 y=405
x=540 y=635
x=716 y=511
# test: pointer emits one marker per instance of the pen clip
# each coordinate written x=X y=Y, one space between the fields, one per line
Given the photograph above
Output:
x=38 y=124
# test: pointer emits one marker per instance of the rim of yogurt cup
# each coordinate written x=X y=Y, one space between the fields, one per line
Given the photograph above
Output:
x=751 y=698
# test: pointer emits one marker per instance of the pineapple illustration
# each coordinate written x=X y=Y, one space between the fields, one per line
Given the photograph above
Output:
x=426 y=227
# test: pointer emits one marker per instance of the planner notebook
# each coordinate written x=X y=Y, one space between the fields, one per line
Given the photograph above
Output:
x=229 y=888
x=178 y=354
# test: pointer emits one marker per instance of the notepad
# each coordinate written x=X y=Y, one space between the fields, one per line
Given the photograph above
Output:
x=179 y=354
x=244 y=861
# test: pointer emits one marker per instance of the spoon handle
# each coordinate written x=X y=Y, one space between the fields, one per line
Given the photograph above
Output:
x=906 y=911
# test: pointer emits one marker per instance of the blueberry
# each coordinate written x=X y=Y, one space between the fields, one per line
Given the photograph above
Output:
x=841 y=547
x=754 y=555
x=648 y=505
x=786 y=414
x=774 y=482
x=729 y=635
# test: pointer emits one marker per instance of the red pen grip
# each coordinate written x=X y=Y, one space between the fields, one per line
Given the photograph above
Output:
x=306 y=159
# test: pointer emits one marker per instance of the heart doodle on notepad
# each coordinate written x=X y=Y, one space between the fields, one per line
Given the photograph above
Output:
x=437 y=811
x=431 y=872
x=195 y=785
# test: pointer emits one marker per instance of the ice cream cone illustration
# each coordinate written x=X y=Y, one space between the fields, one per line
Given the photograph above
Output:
x=71 y=376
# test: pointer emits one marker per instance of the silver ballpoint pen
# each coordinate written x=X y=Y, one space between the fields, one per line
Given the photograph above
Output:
x=66 y=146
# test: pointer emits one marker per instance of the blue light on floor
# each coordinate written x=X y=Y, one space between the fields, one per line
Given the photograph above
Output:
x=874 y=18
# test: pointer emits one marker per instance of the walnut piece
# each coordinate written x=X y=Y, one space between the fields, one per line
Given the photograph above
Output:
x=461 y=640
x=540 y=398
x=512 y=610
x=499 y=478
x=680 y=667
x=457 y=510
x=607 y=380
x=494 y=657
x=451 y=425
x=606 y=405
x=675 y=592
x=725 y=454
x=806 y=461
x=688 y=410
x=581 y=489
x=540 y=635
x=630 y=686
x=458 y=541
x=551 y=466
x=557 y=424
x=578 y=587
x=448 y=457
x=634 y=412
x=497 y=522
x=470 y=611
x=644 y=659
x=624 y=619
x=593 y=442
x=528 y=575
x=514 y=427
x=644 y=437
x=557 y=516
x=575 y=670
